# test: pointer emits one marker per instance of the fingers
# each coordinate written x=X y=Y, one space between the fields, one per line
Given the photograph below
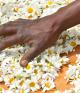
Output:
x=7 y=30
x=9 y=41
x=10 y=28
x=28 y=56
x=31 y=54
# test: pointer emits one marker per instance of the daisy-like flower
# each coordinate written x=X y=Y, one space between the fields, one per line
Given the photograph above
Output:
x=47 y=85
x=16 y=9
x=71 y=73
x=41 y=72
x=32 y=85
x=11 y=80
x=47 y=76
x=29 y=68
x=64 y=60
x=30 y=10
x=49 y=3
x=73 y=43
x=14 y=85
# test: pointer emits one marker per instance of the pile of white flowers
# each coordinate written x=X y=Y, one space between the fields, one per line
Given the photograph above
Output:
x=43 y=70
x=28 y=9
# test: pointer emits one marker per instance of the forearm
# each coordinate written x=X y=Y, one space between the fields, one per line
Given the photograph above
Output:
x=69 y=16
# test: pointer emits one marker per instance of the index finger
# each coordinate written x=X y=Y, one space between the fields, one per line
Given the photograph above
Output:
x=7 y=30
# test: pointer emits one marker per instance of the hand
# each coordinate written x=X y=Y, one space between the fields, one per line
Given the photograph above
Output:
x=38 y=34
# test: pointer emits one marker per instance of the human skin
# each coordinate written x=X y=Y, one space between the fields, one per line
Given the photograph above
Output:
x=39 y=34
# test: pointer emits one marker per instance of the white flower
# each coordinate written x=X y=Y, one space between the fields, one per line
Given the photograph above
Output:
x=41 y=72
x=71 y=73
x=32 y=85
x=64 y=60
x=48 y=76
x=29 y=67
x=76 y=83
x=47 y=85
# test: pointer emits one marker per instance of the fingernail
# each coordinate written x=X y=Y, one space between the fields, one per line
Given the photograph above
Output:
x=23 y=63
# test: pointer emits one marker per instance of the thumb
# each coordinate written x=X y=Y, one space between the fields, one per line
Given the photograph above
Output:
x=28 y=56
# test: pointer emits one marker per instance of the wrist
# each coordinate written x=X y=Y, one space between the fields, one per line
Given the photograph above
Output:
x=57 y=21
x=69 y=16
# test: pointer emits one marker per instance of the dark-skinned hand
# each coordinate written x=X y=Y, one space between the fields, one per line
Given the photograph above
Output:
x=39 y=34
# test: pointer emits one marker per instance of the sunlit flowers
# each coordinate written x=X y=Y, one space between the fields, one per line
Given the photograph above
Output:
x=43 y=70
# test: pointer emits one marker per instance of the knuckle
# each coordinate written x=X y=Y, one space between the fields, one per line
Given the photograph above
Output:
x=21 y=36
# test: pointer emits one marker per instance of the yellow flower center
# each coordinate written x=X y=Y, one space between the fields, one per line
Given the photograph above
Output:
x=21 y=83
x=49 y=65
x=47 y=6
x=12 y=67
x=73 y=44
x=32 y=84
x=50 y=52
x=79 y=76
x=16 y=9
x=30 y=10
x=35 y=71
x=11 y=80
x=28 y=67
x=50 y=2
x=21 y=91
x=62 y=61
x=47 y=84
